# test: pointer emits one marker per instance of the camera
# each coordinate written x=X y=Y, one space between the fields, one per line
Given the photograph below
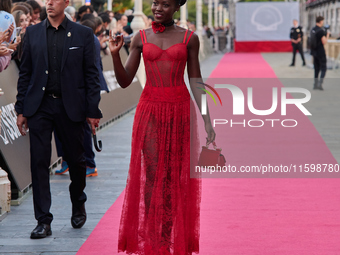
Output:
x=18 y=31
x=326 y=28
x=127 y=39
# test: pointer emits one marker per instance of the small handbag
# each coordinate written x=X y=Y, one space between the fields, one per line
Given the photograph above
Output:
x=211 y=157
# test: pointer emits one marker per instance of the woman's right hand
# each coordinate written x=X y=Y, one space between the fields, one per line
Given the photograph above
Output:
x=115 y=43
x=9 y=32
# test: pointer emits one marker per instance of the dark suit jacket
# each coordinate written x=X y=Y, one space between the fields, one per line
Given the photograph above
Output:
x=80 y=85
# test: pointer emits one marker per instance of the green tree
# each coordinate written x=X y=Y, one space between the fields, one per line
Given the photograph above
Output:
x=98 y=5
x=262 y=0
x=122 y=5
x=147 y=8
x=191 y=7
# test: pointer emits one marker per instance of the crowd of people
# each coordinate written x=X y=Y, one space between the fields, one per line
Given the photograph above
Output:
x=17 y=15
x=14 y=19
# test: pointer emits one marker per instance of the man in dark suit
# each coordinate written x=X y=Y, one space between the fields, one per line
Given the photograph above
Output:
x=58 y=89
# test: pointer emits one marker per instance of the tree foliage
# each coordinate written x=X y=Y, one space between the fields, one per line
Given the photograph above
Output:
x=262 y=0
x=191 y=7
x=122 y=5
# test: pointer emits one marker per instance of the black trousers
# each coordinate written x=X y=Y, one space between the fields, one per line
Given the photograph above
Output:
x=89 y=154
x=320 y=64
x=50 y=116
x=297 y=46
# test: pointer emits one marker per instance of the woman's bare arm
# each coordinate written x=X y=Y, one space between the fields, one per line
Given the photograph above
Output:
x=125 y=74
x=195 y=79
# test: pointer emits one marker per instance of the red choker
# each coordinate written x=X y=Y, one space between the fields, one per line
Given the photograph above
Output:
x=159 y=27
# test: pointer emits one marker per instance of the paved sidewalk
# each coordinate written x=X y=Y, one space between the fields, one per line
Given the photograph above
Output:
x=113 y=163
x=102 y=191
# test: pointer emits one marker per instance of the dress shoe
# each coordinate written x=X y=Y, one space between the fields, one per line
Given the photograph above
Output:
x=78 y=218
x=303 y=64
x=41 y=231
x=292 y=65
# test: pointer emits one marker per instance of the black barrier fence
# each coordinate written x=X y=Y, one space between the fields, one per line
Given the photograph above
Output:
x=14 y=148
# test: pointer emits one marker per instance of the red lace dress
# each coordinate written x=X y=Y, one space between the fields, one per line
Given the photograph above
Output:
x=161 y=208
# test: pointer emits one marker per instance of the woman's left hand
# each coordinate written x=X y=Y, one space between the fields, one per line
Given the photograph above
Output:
x=115 y=43
x=210 y=133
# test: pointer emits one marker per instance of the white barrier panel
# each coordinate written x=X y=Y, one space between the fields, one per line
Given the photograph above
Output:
x=265 y=21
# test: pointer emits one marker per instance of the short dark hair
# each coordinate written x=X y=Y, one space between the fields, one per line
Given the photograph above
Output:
x=84 y=8
x=319 y=18
x=89 y=16
x=130 y=18
x=181 y=2
x=89 y=23
x=105 y=17
x=34 y=4
x=118 y=16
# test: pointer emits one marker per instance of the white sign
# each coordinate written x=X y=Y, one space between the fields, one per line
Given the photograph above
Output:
x=265 y=21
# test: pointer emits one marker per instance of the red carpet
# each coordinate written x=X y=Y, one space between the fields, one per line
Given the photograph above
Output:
x=253 y=216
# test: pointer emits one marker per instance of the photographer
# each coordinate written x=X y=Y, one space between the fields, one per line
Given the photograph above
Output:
x=319 y=37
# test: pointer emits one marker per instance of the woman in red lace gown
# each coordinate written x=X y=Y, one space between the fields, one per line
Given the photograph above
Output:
x=161 y=209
